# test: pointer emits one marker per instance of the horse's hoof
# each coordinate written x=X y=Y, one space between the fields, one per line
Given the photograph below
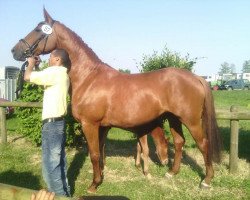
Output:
x=169 y=176
x=91 y=190
x=204 y=185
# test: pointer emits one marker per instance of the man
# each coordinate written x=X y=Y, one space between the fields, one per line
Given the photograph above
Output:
x=56 y=82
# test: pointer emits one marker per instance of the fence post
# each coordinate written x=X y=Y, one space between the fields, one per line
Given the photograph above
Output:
x=3 y=125
x=233 y=157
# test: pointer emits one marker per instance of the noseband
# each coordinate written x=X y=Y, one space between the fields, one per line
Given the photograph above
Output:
x=29 y=51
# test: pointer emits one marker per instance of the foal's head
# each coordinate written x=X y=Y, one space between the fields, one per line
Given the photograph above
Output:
x=41 y=40
x=162 y=151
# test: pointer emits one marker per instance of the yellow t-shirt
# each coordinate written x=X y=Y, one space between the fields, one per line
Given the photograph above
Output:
x=56 y=82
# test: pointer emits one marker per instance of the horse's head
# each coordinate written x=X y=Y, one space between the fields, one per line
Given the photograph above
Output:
x=162 y=151
x=41 y=40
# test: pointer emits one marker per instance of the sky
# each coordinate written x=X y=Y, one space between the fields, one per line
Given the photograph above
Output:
x=121 y=32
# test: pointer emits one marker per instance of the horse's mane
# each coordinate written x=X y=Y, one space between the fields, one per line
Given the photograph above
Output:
x=79 y=43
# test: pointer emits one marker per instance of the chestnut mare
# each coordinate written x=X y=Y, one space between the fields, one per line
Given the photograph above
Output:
x=102 y=97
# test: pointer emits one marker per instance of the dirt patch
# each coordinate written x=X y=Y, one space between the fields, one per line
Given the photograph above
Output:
x=17 y=139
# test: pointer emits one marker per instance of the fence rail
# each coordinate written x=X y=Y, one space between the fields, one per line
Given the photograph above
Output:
x=3 y=106
x=13 y=192
x=233 y=115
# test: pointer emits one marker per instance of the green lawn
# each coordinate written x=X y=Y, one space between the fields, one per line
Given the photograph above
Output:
x=21 y=164
x=225 y=99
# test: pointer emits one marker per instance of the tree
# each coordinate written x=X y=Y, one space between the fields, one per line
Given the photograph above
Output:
x=227 y=68
x=127 y=71
x=165 y=59
x=232 y=68
x=246 y=67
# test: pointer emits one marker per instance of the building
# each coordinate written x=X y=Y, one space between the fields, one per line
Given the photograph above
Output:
x=8 y=81
x=216 y=79
x=246 y=76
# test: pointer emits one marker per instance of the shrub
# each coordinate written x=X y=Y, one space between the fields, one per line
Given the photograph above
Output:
x=166 y=59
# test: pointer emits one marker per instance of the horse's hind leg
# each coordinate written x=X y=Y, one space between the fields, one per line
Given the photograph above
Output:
x=202 y=144
x=179 y=141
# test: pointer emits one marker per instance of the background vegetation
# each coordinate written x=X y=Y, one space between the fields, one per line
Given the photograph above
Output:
x=21 y=164
x=164 y=59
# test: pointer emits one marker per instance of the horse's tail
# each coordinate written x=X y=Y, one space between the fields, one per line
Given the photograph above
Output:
x=210 y=126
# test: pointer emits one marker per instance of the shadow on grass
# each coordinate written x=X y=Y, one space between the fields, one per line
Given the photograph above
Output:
x=243 y=145
x=20 y=179
x=124 y=148
x=75 y=167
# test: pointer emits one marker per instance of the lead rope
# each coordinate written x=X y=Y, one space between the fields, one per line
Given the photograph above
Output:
x=20 y=80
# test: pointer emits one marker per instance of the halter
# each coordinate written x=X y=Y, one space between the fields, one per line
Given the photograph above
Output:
x=29 y=51
x=47 y=30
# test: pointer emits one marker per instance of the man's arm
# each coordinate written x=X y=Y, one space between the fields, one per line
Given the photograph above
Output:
x=33 y=62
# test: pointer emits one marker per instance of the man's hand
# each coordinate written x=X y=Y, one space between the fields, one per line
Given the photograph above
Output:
x=33 y=61
x=43 y=195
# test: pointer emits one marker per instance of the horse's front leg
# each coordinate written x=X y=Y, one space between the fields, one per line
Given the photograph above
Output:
x=91 y=132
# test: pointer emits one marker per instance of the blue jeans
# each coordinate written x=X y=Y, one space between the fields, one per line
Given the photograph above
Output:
x=54 y=166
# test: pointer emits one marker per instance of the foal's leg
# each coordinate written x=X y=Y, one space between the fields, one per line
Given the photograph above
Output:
x=161 y=144
x=91 y=132
x=143 y=140
x=179 y=141
x=103 y=132
x=138 y=155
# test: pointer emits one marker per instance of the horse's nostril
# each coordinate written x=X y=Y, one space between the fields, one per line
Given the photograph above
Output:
x=12 y=50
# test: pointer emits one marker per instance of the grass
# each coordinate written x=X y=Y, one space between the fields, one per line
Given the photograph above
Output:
x=21 y=164
x=225 y=99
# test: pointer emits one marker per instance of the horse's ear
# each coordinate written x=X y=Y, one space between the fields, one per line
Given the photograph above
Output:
x=47 y=17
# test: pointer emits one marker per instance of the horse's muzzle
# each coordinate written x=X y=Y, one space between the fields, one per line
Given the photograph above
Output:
x=164 y=162
x=18 y=54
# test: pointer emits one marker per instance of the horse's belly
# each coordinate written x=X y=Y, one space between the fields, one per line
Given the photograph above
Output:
x=132 y=116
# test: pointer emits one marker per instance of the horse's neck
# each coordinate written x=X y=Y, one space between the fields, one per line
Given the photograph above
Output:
x=84 y=62
x=79 y=52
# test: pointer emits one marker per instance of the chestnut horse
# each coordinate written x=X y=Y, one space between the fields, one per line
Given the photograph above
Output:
x=102 y=97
